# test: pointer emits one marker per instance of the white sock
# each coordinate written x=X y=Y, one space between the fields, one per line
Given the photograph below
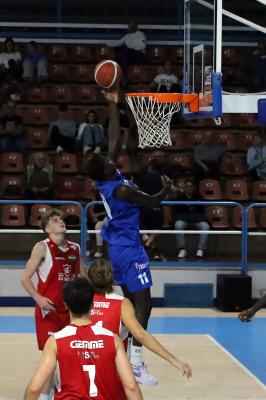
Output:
x=136 y=355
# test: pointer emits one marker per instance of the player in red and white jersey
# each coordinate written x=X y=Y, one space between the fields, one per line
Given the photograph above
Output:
x=91 y=360
x=117 y=313
x=56 y=261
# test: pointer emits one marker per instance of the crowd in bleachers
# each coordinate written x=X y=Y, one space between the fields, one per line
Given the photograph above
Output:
x=53 y=117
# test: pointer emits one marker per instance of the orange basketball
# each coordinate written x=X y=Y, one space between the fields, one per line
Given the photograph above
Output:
x=107 y=74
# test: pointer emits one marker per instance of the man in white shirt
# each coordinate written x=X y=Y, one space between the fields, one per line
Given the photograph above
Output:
x=132 y=46
x=166 y=81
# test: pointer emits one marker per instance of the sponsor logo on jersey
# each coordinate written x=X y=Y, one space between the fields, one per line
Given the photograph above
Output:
x=66 y=276
x=72 y=258
x=96 y=312
x=85 y=344
x=59 y=258
x=139 y=267
x=101 y=304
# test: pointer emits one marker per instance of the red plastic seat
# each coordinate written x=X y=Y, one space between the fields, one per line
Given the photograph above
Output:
x=66 y=163
x=11 y=187
x=233 y=165
x=87 y=94
x=195 y=138
x=178 y=142
x=58 y=52
x=38 y=94
x=72 y=215
x=12 y=163
x=210 y=189
x=236 y=190
x=227 y=140
x=104 y=53
x=237 y=218
x=229 y=56
x=81 y=53
x=217 y=216
x=244 y=120
x=177 y=54
x=262 y=218
x=181 y=159
x=60 y=72
x=259 y=191
x=37 y=138
x=36 y=213
x=156 y=54
x=37 y=116
x=61 y=94
x=138 y=74
x=13 y=215
x=83 y=73
x=246 y=139
x=67 y=188
x=89 y=189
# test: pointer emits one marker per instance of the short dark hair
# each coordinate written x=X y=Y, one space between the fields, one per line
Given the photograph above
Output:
x=33 y=43
x=95 y=167
x=54 y=212
x=101 y=276
x=78 y=296
x=92 y=112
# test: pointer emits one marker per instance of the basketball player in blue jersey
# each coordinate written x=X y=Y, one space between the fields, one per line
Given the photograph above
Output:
x=130 y=262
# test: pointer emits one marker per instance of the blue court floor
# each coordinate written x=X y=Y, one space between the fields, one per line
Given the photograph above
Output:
x=246 y=342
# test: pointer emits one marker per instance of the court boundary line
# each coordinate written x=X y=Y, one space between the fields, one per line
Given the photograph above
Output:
x=230 y=355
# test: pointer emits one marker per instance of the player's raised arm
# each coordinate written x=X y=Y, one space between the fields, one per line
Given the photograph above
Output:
x=125 y=372
x=149 y=341
x=37 y=255
x=132 y=195
x=43 y=371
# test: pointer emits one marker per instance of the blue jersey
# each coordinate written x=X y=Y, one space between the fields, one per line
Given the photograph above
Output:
x=122 y=228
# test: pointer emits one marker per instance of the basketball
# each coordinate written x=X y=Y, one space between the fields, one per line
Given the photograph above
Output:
x=107 y=74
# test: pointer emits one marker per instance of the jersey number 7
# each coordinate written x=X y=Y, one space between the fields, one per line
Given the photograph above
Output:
x=91 y=369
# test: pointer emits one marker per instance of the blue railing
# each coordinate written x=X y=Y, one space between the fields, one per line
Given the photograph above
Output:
x=84 y=232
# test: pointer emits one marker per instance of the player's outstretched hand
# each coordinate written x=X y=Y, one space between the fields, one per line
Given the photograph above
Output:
x=184 y=367
x=246 y=315
x=166 y=182
x=46 y=304
x=111 y=95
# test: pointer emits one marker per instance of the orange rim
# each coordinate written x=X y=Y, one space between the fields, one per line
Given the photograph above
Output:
x=192 y=99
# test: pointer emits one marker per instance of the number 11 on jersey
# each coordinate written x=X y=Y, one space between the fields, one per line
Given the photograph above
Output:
x=143 y=278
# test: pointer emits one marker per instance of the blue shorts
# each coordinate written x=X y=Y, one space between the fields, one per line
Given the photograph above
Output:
x=130 y=267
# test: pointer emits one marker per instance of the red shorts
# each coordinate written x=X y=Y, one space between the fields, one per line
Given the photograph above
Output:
x=53 y=322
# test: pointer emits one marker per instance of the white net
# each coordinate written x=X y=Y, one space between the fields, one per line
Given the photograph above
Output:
x=153 y=120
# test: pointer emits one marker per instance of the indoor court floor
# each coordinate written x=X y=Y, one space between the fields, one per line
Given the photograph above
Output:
x=228 y=358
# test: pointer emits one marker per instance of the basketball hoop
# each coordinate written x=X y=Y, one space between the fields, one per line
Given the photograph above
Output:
x=153 y=113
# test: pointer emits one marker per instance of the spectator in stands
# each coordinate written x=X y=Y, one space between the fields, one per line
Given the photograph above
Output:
x=40 y=182
x=166 y=81
x=150 y=181
x=256 y=158
x=12 y=132
x=189 y=216
x=207 y=157
x=91 y=133
x=132 y=46
x=11 y=92
x=34 y=64
x=63 y=131
x=10 y=61
x=256 y=67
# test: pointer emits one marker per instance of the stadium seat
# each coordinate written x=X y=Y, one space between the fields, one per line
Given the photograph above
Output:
x=177 y=54
x=104 y=53
x=244 y=120
x=37 y=116
x=61 y=94
x=138 y=74
x=259 y=191
x=89 y=189
x=123 y=164
x=57 y=52
x=233 y=165
x=12 y=163
x=66 y=163
x=178 y=142
x=60 y=72
x=229 y=56
x=262 y=218
x=210 y=189
x=236 y=190
x=11 y=187
x=67 y=188
x=13 y=215
x=181 y=159
x=36 y=212
x=245 y=139
x=38 y=94
x=195 y=123
x=72 y=215
x=81 y=53
x=227 y=140
x=82 y=73
x=195 y=138
x=156 y=54
x=37 y=138
x=87 y=94
x=217 y=216
x=237 y=218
